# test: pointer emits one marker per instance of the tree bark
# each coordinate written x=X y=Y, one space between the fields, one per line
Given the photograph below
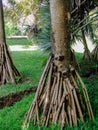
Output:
x=8 y=72
x=2 y=32
x=60 y=16
x=60 y=32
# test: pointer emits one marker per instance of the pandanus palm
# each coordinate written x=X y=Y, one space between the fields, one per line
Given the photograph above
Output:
x=58 y=98
x=82 y=22
x=8 y=72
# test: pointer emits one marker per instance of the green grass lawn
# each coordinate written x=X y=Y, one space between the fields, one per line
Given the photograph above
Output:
x=17 y=41
x=30 y=64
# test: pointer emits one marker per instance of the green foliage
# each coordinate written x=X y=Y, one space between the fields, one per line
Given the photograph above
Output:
x=16 y=13
x=79 y=57
x=45 y=26
x=92 y=86
x=34 y=40
x=11 y=29
x=88 y=68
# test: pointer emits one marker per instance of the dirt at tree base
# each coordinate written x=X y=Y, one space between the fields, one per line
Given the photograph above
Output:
x=11 y=99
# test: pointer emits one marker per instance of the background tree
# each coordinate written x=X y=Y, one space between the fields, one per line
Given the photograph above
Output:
x=57 y=99
x=95 y=38
x=82 y=22
x=8 y=72
x=23 y=14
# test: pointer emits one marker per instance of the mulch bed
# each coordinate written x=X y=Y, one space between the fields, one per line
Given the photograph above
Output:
x=11 y=99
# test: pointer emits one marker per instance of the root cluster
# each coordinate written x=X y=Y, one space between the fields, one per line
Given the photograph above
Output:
x=8 y=72
x=58 y=99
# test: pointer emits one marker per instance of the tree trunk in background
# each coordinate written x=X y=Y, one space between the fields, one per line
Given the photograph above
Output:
x=95 y=53
x=87 y=55
x=8 y=72
x=58 y=98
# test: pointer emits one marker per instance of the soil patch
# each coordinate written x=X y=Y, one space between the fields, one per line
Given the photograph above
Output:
x=11 y=99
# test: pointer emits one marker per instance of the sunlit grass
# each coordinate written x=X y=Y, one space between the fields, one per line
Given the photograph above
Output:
x=17 y=41
x=30 y=65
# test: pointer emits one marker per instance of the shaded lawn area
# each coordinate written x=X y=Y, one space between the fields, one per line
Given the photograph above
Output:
x=30 y=65
x=11 y=118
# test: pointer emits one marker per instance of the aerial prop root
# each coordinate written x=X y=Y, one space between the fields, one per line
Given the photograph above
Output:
x=8 y=72
x=57 y=99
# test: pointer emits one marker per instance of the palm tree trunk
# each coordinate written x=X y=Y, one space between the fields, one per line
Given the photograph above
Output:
x=8 y=72
x=57 y=99
x=60 y=32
